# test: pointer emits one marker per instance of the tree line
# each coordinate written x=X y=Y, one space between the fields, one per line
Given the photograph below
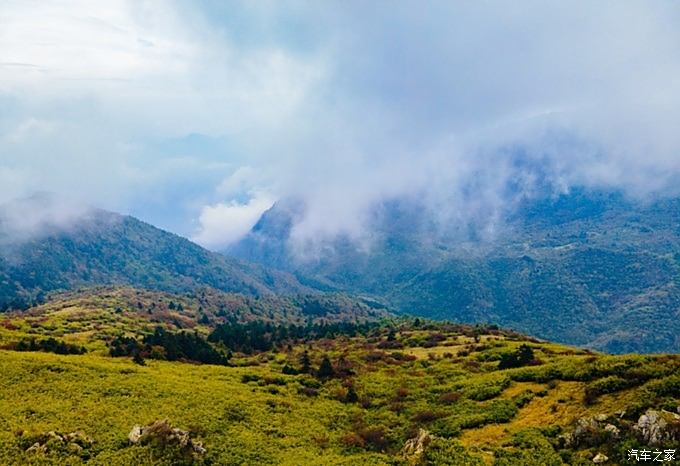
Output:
x=260 y=336
x=171 y=346
x=48 y=345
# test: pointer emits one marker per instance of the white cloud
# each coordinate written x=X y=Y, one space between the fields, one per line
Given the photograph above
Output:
x=224 y=223
x=341 y=104
x=92 y=92
x=26 y=218
x=78 y=45
x=455 y=103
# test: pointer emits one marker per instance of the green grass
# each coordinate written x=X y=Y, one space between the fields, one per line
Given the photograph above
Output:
x=252 y=413
x=105 y=397
x=241 y=423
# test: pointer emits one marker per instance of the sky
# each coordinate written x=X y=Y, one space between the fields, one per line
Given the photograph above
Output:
x=196 y=116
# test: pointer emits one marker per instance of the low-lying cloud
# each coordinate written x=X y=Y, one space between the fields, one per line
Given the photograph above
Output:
x=156 y=108
x=224 y=223
x=28 y=218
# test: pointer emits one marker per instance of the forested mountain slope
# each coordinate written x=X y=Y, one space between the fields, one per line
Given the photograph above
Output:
x=96 y=247
x=587 y=268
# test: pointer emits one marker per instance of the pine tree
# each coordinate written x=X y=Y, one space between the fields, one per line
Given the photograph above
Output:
x=352 y=396
x=305 y=363
x=525 y=355
x=138 y=359
x=325 y=369
x=288 y=370
x=521 y=357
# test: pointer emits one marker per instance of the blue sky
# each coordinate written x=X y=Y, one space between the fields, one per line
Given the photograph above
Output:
x=197 y=116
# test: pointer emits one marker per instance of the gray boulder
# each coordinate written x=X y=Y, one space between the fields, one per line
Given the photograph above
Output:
x=73 y=442
x=590 y=432
x=162 y=433
x=414 y=448
x=658 y=427
x=600 y=458
x=613 y=431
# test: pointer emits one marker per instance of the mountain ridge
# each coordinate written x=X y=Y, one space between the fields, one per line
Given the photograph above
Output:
x=591 y=268
x=98 y=247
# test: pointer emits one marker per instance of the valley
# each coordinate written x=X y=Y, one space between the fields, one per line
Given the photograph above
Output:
x=590 y=268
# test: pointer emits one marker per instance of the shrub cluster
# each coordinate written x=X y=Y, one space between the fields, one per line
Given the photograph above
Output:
x=172 y=346
x=49 y=345
x=603 y=386
x=523 y=356
x=258 y=336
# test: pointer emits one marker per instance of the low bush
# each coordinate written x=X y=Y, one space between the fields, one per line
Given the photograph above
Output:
x=501 y=411
x=523 y=356
x=445 y=452
x=375 y=438
x=486 y=390
x=450 y=397
x=246 y=378
x=669 y=386
x=426 y=416
x=528 y=447
x=49 y=345
x=603 y=386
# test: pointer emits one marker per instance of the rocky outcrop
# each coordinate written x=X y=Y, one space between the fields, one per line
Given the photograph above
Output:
x=613 y=432
x=161 y=433
x=600 y=458
x=415 y=447
x=654 y=428
x=135 y=435
x=658 y=427
x=590 y=432
x=75 y=443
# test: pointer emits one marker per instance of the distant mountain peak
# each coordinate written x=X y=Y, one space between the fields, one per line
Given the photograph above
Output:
x=65 y=250
x=581 y=267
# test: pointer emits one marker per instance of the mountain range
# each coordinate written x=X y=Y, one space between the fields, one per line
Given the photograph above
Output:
x=96 y=247
x=151 y=350
x=590 y=268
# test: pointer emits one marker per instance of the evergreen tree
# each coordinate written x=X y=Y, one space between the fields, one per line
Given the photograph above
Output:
x=521 y=357
x=289 y=370
x=325 y=369
x=138 y=359
x=352 y=396
x=525 y=355
x=305 y=363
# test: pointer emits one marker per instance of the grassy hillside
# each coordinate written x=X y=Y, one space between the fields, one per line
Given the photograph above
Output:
x=91 y=317
x=480 y=395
